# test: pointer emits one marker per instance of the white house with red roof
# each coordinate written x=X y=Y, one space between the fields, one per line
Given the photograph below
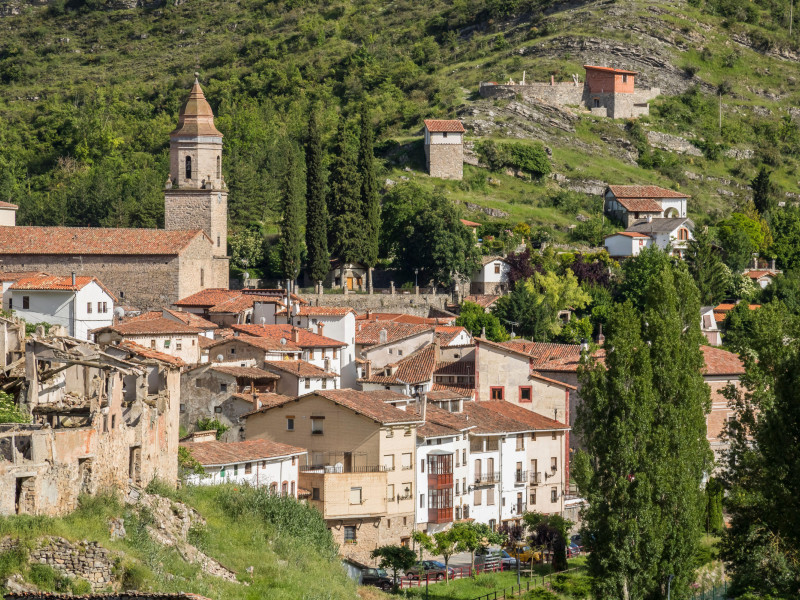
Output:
x=491 y=277
x=630 y=203
x=444 y=148
x=79 y=304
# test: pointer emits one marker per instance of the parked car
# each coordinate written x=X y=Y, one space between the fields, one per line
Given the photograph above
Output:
x=523 y=552
x=432 y=569
x=574 y=550
x=378 y=578
x=509 y=562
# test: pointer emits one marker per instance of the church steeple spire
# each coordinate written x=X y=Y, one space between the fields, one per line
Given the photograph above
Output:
x=196 y=117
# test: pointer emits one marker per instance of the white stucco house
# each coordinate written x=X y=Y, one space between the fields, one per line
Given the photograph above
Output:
x=630 y=203
x=259 y=463
x=672 y=233
x=491 y=277
x=79 y=304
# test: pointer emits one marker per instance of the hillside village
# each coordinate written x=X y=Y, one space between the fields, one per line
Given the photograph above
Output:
x=418 y=352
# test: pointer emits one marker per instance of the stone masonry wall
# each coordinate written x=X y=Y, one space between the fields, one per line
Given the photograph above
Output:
x=85 y=560
x=406 y=303
x=445 y=161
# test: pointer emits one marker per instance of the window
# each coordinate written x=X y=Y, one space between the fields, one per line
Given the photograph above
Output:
x=597 y=102
x=188 y=167
x=219 y=169
x=289 y=423
x=554 y=463
x=324 y=383
x=308 y=383
x=407 y=433
x=532 y=498
x=399 y=352
x=525 y=394
x=179 y=345
x=464 y=457
x=388 y=462
x=553 y=494
x=315 y=493
x=683 y=234
x=422 y=466
x=223 y=387
x=285 y=488
x=273 y=488
x=26 y=302
x=105 y=423
x=294 y=460
x=349 y=534
x=183 y=408
x=458 y=488
x=458 y=512
x=390 y=433
x=520 y=442
x=533 y=436
x=407 y=462
x=316 y=425
x=624 y=79
x=497 y=268
x=217 y=409
x=291 y=491
x=444 y=134
x=555 y=435
x=89 y=308
x=166 y=343
x=10 y=303
x=102 y=307
x=113 y=421
x=233 y=351
x=263 y=464
x=390 y=492
x=218 y=242
x=248 y=468
x=422 y=500
x=477 y=498
x=153 y=344
x=202 y=277
x=355 y=495
x=235 y=470
x=335 y=353
x=497 y=393
x=490 y=496
x=477 y=470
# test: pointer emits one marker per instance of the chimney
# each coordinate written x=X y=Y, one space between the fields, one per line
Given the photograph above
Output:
x=601 y=339
x=295 y=335
x=423 y=398
x=382 y=336
x=73 y=279
x=320 y=327
x=772 y=264
x=483 y=332
x=368 y=369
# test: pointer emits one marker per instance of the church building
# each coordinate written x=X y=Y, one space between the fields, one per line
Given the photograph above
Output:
x=147 y=268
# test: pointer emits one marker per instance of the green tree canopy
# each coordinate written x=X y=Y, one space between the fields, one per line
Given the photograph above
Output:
x=639 y=271
x=786 y=235
x=475 y=319
x=318 y=260
x=709 y=273
x=293 y=221
x=346 y=231
x=396 y=558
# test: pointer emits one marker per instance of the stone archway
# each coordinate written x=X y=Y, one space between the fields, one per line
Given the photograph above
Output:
x=671 y=213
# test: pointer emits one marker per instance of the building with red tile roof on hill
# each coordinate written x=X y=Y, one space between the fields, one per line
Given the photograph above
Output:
x=147 y=268
x=444 y=148
x=630 y=203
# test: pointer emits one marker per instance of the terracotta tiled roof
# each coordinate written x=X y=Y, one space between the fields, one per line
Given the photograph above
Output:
x=205 y=342
x=609 y=70
x=404 y=318
x=644 y=191
x=721 y=362
x=435 y=430
x=445 y=334
x=448 y=394
x=246 y=372
x=721 y=310
x=238 y=304
x=321 y=311
x=484 y=300
x=4 y=204
x=485 y=260
x=139 y=350
x=298 y=368
x=469 y=223
x=157 y=326
x=268 y=344
x=758 y=274
x=16 y=275
x=455 y=421
x=208 y=298
x=211 y=454
x=196 y=117
x=441 y=125
x=265 y=401
x=191 y=319
x=306 y=339
x=369 y=406
x=94 y=241
x=460 y=391
x=640 y=205
x=415 y=368
x=368 y=334
x=388 y=396
x=455 y=367
x=58 y=283
x=500 y=417
x=633 y=234
x=556 y=382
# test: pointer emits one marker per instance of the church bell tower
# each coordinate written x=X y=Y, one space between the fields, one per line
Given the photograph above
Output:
x=196 y=196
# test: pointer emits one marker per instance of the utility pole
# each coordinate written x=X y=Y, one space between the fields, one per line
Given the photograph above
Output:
x=720 y=111
x=791 y=17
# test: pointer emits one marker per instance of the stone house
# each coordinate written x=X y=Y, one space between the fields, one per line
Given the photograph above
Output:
x=153 y=331
x=444 y=148
x=226 y=307
x=101 y=418
x=352 y=276
x=148 y=267
x=629 y=204
x=222 y=392
x=360 y=449
x=410 y=376
x=79 y=304
x=492 y=276
x=260 y=463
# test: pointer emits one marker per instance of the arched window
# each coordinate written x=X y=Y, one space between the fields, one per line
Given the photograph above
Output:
x=273 y=488
x=188 y=167
x=683 y=234
x=219 y=168
x=285 y=488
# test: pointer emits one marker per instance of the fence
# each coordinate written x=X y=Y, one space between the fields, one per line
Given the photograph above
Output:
x=717 y=592
x=533 y=582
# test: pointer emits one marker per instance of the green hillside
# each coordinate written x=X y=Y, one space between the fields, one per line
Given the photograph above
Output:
x=90 y=92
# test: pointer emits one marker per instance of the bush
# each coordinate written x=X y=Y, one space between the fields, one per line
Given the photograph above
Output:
x=540 y=594
x=572 y=585
x=13 y=561
x=81 y=587
x=530 y=158
x=134 y=576
x=47 y=578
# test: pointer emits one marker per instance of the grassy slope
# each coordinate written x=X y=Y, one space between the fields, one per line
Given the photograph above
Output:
x=284 y=567
x=140 y=61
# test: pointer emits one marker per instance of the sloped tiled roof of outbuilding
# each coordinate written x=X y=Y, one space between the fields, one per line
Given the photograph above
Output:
x=442 y=125
x=227 y=453
x=644 y=191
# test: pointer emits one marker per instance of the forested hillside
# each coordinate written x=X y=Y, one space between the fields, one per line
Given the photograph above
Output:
x=91 y=91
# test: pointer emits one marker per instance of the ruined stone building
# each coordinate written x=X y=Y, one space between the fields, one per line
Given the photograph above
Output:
x=147 y=268
x=605 y=92
x=101 y=418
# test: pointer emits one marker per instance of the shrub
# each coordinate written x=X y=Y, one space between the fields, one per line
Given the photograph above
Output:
x=13 y=561
x=81 y=587
x=134 y=576
x=540 y=594
x=47 y=578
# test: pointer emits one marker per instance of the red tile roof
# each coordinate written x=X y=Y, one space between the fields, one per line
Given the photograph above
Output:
x=205 y=342
x=459 y=391
x=415 y=368
x=245 y=372
x=404 y=318
x=4 y=204
x=441 y=125
x=191 y=319
x=265 y=401
x=484 y=300
x=370 y=406
x=644 y=191
x=455 y=367
x=268 y=344
x=721 y=310
x=157 y=326
x=208 y=298
x=758 y=274
x=633 y=234
x=469 y=223
x=368 y=334
x=16 y=275
x=505 y=417
x=321 y=311
x=721 y=362
x=210 y=454
x=94 y=241
x=57 y=283
x=298 y=368
x=306 y=339
x=445 y=334
x=139 y=350
x=609 y=70
x=447 y=394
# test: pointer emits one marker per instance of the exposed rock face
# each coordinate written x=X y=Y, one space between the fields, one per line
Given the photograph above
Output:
x=673 y=143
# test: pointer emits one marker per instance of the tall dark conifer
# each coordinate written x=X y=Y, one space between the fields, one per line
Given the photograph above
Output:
x=291 y=242
x=346 y=233
x=318 y=258
x=370 y=203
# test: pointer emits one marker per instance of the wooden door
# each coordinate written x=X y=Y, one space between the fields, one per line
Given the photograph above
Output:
x=349 y=283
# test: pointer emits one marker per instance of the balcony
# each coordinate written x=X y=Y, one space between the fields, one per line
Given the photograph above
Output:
x=440 y=515
x=440 y=481
x=535 y=478
x=520 y=477
x=340 y=468
x=487 y=478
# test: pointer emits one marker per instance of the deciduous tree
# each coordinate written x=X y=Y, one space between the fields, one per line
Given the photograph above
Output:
x=476 y=320
x=396 y=558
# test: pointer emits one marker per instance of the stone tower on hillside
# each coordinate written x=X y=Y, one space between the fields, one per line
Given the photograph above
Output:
x=196 y=196
x=444 y=148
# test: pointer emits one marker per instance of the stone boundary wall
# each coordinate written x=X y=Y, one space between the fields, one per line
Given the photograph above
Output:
x=401 y=303
x=87 y=560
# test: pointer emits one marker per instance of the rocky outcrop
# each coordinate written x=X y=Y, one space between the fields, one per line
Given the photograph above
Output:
x=672 y=143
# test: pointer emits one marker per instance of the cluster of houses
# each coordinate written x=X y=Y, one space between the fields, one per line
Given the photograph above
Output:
x=386 y=422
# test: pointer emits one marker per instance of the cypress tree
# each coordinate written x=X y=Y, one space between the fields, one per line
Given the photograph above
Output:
x=346 y=234
x=318 y=260
x=291 y=242
x=370 y=203
x=707 y=269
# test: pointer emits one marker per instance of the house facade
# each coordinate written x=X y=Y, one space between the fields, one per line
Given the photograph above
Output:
x=153 y=331
x=492 y=277
x=628 y=204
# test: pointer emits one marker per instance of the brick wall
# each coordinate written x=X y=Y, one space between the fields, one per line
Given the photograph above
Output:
x=445 y=161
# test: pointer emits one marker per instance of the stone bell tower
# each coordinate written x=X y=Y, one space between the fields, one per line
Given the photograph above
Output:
x=196 y=196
